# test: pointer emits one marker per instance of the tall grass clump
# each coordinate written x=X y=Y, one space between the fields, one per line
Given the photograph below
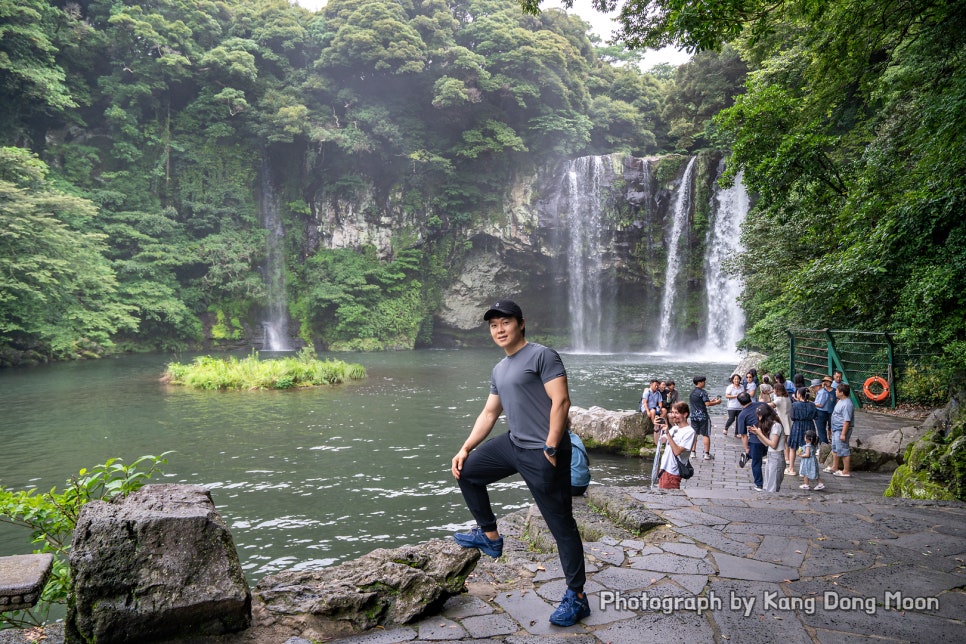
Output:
x=304 y=369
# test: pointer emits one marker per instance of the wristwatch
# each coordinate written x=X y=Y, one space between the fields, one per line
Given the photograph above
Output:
x=550 y=451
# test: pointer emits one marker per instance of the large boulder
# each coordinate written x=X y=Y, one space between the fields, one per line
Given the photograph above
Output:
x=157 y=564
x=383 y=588
x=623 y=431
x=884 y=452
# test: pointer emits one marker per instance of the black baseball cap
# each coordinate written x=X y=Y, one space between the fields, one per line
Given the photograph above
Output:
x=504 y=309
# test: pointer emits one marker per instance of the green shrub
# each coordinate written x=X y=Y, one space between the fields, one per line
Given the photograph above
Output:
x=301 y=370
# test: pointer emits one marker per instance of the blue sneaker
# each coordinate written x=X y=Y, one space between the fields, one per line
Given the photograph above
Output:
x=476 y=538
x=572 y=609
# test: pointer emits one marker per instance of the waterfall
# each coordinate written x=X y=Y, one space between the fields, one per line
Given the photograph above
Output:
x=680 y=211
x=275 y=324
x=726 y=320
x=579 y=207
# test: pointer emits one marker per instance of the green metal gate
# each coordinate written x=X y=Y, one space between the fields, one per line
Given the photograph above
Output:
x=859 y=355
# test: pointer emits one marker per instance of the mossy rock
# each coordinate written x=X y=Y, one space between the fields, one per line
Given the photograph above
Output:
x=908 y=484
x=935 y=467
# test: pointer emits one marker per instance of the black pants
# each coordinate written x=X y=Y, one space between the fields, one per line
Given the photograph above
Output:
x=732 y=417
x=823 y=425
x=758 y=452
x=499 y=458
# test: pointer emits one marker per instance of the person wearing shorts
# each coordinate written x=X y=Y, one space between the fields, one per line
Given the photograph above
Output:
x=843 y=419
x=700 y=422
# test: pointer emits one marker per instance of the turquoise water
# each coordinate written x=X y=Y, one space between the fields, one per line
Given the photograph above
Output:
x=304 y=478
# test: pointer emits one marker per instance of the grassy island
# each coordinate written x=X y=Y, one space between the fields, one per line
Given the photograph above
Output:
x=303 y=369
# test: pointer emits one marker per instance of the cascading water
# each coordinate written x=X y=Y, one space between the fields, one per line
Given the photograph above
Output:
x=680 y=211
x=579 y=208
x=726 y=321
x=275 y=325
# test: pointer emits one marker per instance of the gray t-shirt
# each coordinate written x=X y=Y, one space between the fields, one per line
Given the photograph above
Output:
x=844 y=411
x=519 y=382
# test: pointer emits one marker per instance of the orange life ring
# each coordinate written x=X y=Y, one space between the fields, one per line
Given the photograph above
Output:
x=876 y=380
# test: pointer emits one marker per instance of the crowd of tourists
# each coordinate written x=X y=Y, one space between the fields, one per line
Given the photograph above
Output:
x=781 y=423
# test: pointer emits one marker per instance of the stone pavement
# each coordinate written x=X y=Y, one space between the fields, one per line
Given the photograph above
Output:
x=729 y=564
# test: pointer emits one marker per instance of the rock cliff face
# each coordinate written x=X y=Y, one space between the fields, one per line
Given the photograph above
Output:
x=585 y=246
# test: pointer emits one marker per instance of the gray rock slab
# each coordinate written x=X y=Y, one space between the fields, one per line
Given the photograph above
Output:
x=727 y=502
x=912 y=581
x=716 y=539
x=851 y=528
x=694 y=584
x=833 y=637
x=529 y=610
x=625 y=579
x=761 y=515
x=684 y=549
x=490 y=625
x=952 y=605
x=440 y=629
x=673 y=564
x=888 y=554
x=778 y=529
x=755 y=612
x=462 y=606
x=612 y=554
x=657 y=627
x=553 y=591
x=563 y=637
x=904 y=625
x=821 y=562
x=389 y=636
x=933 y=543
x=773 y=501
x=902 y=523
x=787 y=551
x=607 y=608
x=24 y=575
x=730 y=567
x=841 y=610
x=659 y=500
x=684 y=517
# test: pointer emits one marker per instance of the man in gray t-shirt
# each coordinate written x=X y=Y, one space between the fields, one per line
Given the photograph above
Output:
x=530 y=386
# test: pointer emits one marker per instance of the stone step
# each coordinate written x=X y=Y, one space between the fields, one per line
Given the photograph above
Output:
x=22 y=579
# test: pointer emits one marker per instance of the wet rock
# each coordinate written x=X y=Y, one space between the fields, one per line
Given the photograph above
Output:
x=386 y=587
x=603 y=428
x=157 y=564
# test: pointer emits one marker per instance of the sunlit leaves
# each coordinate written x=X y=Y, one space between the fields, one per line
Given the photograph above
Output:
x=375 y=35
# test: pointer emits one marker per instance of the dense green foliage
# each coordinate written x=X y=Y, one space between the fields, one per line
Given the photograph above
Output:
x=51 y=519
x=159 y=125
x=852 y=133
x=251 y=372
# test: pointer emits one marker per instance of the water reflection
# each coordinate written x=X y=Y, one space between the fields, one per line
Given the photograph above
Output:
x=304 y=478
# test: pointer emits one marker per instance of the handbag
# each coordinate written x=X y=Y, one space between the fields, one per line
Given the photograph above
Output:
x=685 y=469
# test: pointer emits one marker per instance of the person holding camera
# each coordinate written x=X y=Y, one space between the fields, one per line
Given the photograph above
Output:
x=679 y=440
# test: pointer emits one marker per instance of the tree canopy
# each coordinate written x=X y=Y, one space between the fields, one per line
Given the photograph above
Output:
x=157 y=121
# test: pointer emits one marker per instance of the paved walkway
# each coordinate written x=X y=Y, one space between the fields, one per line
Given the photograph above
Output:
x=732 y=565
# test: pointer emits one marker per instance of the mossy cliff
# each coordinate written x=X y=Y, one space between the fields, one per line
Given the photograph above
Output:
x=935 y=465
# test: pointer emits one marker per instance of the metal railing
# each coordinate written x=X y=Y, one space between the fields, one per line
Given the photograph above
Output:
x=858 y=355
